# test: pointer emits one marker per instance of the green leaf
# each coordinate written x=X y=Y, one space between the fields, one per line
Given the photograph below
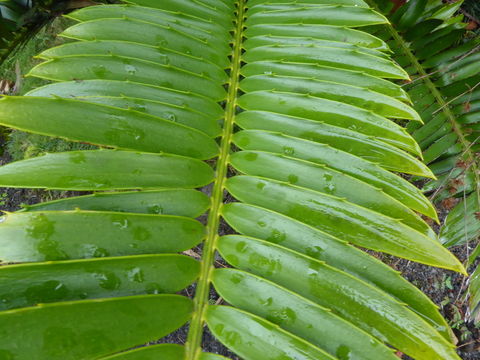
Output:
x=142 y=92
x=90 y=170
x=115 y=127
x=89 y=329
x=163 y=351
x=253 y=338
x=286 y=111
x=311 y=14
x=318 y=153
x=462 y=223
x=441 y=55
x=324 y=32
x=274 y=227
x=328 y=56
x=137 y=51
x=146 y=33
x=62 y=235
x=177 y=20
x=181 y=202
x=325 y=73
x=362 y=304
x=369 y=100
x=327 y=181
x=297 y=315
x=325 y=124
x=32 y=284
x=342 y=219
x=196 y=9
x=114 y=67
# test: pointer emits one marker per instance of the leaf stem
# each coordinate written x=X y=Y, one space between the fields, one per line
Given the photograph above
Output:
x=194 y=339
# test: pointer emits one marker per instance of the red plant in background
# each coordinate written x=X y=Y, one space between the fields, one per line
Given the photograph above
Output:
x=397 y=3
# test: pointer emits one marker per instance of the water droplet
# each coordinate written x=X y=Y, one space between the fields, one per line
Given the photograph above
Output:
x=343 y=352
x=277 y=236
x=315 y=252
x=122 y=224
x=155 y=209
x=138 y=107
x=169 y=116
x=48 y=291
x=233 y=338
x=91 y=250
x=292 y=179
x=261 y=185
x=153 y=288
x=164 y=59
x=267 y=302
x=136 y=274
x=161 y=41
x=100 y=71
x=236 y=278
x=108 y=280
x=131 y=70
x=287 y=150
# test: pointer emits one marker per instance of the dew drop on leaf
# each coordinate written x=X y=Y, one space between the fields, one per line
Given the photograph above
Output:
x=131 y=70
x=287 y=150
x=136 y=274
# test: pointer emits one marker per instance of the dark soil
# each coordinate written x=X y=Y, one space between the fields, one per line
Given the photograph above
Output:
x=447 y=290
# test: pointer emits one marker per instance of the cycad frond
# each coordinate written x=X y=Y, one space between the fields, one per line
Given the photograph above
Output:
x=307 y=129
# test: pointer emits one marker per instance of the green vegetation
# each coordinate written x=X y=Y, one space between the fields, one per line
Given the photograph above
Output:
x=277 y=121
x=22 y=145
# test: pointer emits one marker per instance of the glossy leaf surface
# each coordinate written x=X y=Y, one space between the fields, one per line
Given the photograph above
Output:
x=285 y=110
x=89 y=329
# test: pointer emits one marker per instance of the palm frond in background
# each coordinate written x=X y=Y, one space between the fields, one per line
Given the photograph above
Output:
x=437 y=46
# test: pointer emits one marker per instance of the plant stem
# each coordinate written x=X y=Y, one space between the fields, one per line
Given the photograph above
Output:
x=194 y=339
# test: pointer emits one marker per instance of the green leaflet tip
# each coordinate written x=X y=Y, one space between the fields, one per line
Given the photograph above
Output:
x=464 y=271
x=451 y=263
x=427 y=172
x=457 y=267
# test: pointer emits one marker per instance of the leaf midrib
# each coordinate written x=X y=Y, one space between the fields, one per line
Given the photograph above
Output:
x=194 y=338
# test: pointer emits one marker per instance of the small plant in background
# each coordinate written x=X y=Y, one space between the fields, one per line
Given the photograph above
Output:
x=20 y=20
